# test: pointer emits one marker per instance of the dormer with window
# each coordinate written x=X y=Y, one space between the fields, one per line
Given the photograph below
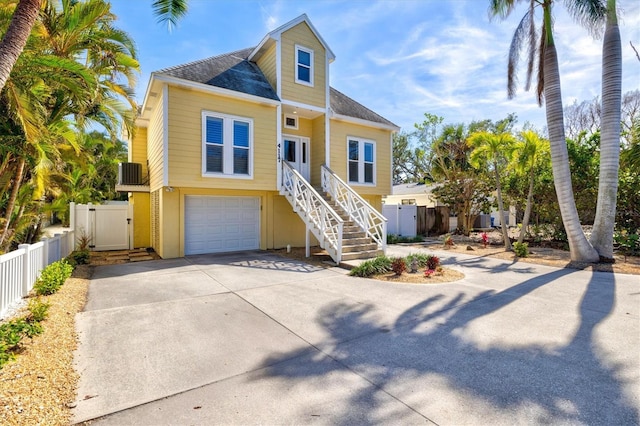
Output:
x=295 y=60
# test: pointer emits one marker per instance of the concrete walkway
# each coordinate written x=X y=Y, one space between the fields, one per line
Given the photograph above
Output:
x=253 y=338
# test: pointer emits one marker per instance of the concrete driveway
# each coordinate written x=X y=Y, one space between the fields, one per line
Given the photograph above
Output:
x=253 y=338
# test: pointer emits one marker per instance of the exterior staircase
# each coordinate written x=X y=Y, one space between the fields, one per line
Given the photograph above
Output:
x=346 y=226
x=355 y=242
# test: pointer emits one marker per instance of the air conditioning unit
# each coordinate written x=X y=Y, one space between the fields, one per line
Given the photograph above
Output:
x=129 y=174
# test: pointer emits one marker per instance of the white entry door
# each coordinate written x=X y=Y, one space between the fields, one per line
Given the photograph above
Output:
x=221 y=224
x=295 y=151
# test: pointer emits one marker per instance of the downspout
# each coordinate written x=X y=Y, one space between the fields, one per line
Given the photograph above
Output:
x=327 y=126
x=278 y=114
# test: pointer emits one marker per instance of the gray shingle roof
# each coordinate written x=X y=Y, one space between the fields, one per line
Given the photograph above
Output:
x=234 y=71
x=344 y=105
x=229 y=71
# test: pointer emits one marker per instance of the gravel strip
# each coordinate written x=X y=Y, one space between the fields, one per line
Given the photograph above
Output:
x=40 y=385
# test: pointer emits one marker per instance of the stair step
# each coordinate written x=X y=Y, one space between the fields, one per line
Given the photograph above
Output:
x=354 y=233
x=355 y=241
x=359 y=248
x=367 y=254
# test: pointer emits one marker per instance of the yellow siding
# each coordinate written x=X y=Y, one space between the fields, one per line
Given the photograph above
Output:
x=138 y=148
x=155 y=145
x=339 y=132
x=267 y=63
x=305 y=128
x=285 y=226
x=141 y=206
x=170 y=231
x=302 y=35
x=185 y=140
x=317 y=150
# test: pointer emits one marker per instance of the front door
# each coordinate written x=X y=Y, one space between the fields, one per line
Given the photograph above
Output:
x=295 y=151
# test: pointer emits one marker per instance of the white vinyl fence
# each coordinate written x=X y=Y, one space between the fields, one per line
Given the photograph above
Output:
x=20 y=268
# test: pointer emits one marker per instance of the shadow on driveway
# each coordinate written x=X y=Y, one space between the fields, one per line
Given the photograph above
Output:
x=426 y=358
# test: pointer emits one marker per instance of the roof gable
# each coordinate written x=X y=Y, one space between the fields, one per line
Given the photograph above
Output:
x=275 y=35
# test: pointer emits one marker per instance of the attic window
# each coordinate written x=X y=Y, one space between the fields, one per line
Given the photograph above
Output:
x=291 y=122
x=304 y=65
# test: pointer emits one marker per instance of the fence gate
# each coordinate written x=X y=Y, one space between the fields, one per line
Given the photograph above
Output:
x=401 y=219
x=107 y=225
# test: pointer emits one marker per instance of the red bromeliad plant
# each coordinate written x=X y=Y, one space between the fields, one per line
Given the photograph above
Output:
x=485 y=239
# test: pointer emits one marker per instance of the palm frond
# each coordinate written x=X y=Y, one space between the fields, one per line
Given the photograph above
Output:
x=590 y=14
x=169 y=11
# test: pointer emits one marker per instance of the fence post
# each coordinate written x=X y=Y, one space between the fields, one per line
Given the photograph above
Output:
x=26 y=268
x=72 y=215
x=45 y=252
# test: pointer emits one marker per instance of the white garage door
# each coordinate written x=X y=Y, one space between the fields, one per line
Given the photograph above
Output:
x=221 y=224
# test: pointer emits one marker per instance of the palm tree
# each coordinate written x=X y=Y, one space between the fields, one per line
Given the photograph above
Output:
x=493 y=149
x=48 y=85
x=549 y=89
x=15 y=38
x=529 y=152
x=604 y=224
x=85 y=30
x=26 y=14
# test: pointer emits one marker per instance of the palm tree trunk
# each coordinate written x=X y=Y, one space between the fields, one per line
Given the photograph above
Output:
x=503 y=225
x=12 y=203
x=580 y=248
x=604 y=224
x=16 y=36
x=527 y=209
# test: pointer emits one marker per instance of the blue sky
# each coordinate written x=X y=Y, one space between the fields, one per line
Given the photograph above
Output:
x=400 y=58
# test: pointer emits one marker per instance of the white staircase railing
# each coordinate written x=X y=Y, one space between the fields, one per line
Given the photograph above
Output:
x=318 y=216
x=361 y=212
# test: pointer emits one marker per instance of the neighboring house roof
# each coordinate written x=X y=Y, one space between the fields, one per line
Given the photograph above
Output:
x=230 y=71
x=412 y=188
x=344 y=105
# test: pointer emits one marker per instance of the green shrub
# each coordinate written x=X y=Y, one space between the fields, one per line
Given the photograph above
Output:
x=628 y=244
x=421 y=258
x=79 y=257
x=521 y=249
x=38 y=310
x=52 y=277
x=379 y=265
x=395 y=239
x=398 y=265
x=12 y=333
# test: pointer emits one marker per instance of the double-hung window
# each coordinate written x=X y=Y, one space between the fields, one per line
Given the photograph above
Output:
x=361 y=167
x=304 y=65
x=227 y=145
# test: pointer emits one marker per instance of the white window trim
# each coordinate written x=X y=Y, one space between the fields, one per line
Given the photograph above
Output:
x=361 y=142
x=295 y=71
x=227 y=143
x=295 y=117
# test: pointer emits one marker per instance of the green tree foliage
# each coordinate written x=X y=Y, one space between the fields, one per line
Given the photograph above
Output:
x=76 y=69
x=492 y=151
x=531 y=156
